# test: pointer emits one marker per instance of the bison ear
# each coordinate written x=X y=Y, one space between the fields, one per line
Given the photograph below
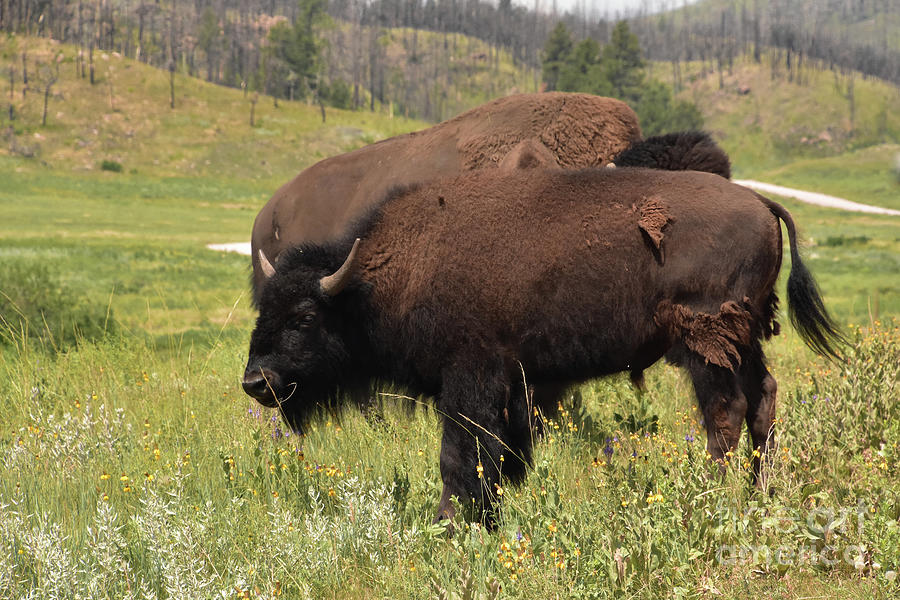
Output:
x=267 y=268
x=332 y=285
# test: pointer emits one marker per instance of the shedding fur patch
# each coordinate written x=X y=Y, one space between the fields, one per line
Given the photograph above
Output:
x=717 y=338
x=654 y=218
x=377 y=260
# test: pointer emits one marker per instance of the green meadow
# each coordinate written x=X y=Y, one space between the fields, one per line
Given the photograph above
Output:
x=133 y=466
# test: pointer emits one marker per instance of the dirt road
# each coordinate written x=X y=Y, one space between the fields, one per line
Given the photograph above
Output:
x=816 y=198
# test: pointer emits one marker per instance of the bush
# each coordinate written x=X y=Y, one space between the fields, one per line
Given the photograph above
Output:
x=111 y=165
x=660 y=113
x=338 y=94
x=36 y=307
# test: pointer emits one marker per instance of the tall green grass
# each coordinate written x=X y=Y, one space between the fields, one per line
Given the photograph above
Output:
x=131 y=473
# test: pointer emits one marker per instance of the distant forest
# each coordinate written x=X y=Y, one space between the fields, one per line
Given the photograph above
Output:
x=344 y=52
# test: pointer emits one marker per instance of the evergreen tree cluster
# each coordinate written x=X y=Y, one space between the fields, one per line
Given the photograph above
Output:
x=616 y=70
x=346 y=52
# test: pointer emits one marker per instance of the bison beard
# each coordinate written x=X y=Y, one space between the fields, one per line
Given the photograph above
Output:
x=461 y=286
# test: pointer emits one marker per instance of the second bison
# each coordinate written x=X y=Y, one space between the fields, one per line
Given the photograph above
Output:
x=465 y=288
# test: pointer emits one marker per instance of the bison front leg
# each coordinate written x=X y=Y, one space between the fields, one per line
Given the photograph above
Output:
x=479 y=443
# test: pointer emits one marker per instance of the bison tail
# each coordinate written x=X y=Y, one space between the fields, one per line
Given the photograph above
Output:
x=681 y=151
x=805 y=306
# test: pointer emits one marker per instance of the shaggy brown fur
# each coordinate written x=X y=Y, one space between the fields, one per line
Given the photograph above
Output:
x=654 y=218
x=528 y=154
x=718 y=338
x=463 y=284
x=572 y=130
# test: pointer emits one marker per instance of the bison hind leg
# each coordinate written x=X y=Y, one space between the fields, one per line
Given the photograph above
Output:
x=760 y=389
x=722 y=352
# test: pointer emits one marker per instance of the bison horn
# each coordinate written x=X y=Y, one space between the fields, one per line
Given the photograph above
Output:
x=267 y=268
x=332 y=285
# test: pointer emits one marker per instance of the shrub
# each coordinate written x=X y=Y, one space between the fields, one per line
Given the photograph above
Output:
x=338 y=94
x=36 y=307
x=111 y=165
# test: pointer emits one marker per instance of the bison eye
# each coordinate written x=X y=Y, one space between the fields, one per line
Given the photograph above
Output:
x=304 y=320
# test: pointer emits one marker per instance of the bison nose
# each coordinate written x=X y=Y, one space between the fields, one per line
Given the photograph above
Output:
x=257 y=383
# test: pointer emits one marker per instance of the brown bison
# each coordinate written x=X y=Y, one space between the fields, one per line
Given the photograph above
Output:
x=464 y=288
x=568 y=130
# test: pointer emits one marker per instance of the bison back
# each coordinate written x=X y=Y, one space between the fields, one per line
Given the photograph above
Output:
x=567 y=267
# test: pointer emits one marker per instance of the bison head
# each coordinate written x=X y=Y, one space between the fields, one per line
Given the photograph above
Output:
x=300 y=348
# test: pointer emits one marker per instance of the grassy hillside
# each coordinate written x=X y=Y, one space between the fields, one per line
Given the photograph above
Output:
x=861 y=22
x=434 y=75
x=778 y=122
x=801 y=135
x=192 y=175
x=125 y=117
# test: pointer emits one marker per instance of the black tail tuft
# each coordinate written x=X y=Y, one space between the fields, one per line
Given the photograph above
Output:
x=805 y=305
x=808 y=313
x=682 y=151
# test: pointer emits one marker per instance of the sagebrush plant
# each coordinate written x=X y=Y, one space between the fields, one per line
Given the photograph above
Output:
x=37 y=308
x=135 y=476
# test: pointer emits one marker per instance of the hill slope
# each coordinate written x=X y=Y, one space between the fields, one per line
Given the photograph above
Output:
x=125 y=117
x=770 y=126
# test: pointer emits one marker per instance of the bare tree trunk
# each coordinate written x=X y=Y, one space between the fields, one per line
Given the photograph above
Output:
x=12 y=85
x=172 y=83
x=140 y=39
x=91 y=60
x=847 y=90
x=79 y=63
x=50 y=81
x=24 y=74
x=109 y=80
x=757 y=34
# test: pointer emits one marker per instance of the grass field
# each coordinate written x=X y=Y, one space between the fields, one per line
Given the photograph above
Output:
x=133 y=466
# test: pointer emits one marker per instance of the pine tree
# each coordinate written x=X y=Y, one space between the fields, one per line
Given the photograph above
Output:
x=556 y=54
x=583 y=71
x=623 y=65
x=659 y=113
x=295 y=51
